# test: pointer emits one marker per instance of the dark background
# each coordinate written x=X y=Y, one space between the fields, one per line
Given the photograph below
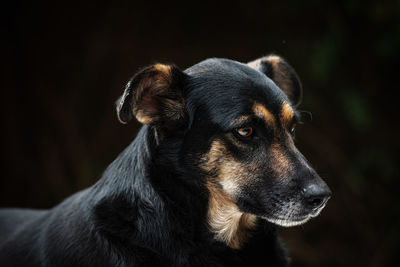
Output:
x=62 y=68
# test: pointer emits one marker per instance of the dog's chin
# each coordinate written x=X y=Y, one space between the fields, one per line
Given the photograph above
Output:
x=290 y=220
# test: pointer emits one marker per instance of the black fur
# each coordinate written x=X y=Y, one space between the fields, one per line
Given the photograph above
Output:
x=150 y=206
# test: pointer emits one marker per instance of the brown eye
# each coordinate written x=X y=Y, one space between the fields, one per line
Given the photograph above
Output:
x=245 y=131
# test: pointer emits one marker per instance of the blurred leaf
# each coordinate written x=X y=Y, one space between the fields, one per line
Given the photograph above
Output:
x=323 y=59
x=355 y=109
x=389 y=43
x=378 y=163
x=356 y=181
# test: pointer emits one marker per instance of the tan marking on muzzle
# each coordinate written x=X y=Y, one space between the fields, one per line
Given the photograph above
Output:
x=281 y=163
x=229 y=173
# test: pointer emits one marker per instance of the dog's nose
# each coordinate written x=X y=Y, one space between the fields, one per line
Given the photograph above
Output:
x=316 y=195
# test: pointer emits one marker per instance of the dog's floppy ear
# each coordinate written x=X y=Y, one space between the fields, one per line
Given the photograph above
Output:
x=154 y=94
x=284 y=76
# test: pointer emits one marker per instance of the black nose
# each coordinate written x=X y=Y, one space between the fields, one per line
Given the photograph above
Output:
x=316 y=195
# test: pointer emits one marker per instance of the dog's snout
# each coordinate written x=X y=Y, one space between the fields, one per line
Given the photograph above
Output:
x=315 y=195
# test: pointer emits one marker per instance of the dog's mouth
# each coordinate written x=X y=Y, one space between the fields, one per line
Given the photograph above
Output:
x=292 y=217
x=287 y=222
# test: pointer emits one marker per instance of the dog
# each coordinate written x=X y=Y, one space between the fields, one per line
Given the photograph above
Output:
x=209 y=176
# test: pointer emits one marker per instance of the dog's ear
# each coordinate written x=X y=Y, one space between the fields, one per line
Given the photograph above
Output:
x=154 y=94
x=284 y=76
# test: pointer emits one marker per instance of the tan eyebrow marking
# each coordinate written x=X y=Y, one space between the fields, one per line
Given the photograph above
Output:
x=262 y=112
x=240 y=120
x=287 y=113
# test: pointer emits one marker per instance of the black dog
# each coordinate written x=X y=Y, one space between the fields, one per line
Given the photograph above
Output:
x=211 y=172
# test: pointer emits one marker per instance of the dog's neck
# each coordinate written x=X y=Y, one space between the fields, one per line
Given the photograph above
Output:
x=141 y=175
x=127 y=173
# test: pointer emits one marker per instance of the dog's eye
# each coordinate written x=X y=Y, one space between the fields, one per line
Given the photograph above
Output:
x=292 y=129
x=244 y=131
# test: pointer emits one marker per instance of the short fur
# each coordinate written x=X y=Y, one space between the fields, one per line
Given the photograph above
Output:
x=189 y=190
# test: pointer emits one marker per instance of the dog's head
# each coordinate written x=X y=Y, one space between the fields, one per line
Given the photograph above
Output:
x=237 y=122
